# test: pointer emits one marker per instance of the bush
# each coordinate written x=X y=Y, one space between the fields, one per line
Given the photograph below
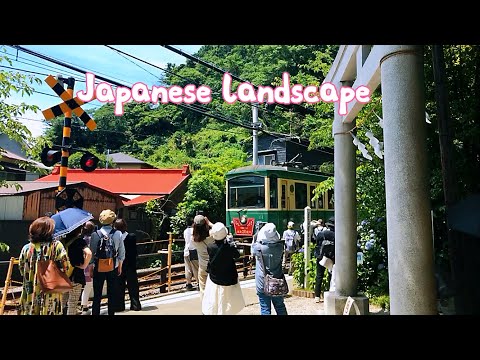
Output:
x=156 y=263
x=373 y=273
x=299 y=269
x=383 y=301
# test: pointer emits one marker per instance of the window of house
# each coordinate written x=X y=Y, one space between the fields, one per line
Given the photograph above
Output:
x=266 y=159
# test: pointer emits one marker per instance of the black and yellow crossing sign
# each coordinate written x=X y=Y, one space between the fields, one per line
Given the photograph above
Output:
x=69 y=104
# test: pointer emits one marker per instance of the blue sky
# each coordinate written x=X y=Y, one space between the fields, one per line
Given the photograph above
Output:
x=98 y=59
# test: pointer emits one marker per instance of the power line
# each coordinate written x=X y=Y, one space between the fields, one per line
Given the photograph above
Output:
x=63 y=63
x=39 y=64
x=146 y=62
x=125 y=55
x=68 y=66
x=27 y=71
x=185 y=106
x=220 y=70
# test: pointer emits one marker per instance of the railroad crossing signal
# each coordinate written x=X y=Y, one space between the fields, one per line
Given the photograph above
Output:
x=69 y=104
x=88 y=162
x=50 y=157
x=67 y=198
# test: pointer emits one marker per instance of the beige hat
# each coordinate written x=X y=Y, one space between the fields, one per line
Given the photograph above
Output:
x=219 y=231
x=107 y=217
x=199 y=220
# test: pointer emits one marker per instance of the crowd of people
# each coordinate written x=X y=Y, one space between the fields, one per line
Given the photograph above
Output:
x=87 y=255
x=92 y=256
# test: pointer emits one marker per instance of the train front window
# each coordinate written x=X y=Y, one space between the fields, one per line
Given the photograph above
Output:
x=273 y=192
x=330 y=200
x=313 y=203
x=300 y=195
x=246 y=192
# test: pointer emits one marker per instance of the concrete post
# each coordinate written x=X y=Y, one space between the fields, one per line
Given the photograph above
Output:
x=345 y=208
x=255 y=134
x=410 y=250
x=345 y=222
x=307 y=214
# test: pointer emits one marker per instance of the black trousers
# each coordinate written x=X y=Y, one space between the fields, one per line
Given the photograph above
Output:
x=129 y=280
x=98 y=281
x=319 y=278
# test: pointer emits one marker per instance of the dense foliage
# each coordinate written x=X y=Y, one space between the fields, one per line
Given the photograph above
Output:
x=12 y=83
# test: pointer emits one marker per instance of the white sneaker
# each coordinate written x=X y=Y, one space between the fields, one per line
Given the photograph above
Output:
x=317 y=299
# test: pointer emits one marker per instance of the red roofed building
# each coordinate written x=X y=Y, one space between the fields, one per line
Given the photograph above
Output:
x=138 y=185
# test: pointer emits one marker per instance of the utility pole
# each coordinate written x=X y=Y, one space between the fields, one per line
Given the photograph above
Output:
x=255 y=133
x=106 y=162
x=445 y=135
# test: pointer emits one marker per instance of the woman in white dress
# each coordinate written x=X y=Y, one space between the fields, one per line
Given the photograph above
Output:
x=223 y=294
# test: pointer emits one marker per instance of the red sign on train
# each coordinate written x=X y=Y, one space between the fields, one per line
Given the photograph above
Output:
x=245 y=229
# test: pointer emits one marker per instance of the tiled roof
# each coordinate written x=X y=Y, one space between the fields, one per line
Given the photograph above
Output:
x=129 y=181
x=121 y=158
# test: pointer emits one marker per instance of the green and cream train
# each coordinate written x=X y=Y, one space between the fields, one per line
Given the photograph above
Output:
x=277 y=194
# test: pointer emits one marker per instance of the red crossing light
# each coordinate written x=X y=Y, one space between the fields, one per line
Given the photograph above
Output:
x=50 y=157
x=89 y=162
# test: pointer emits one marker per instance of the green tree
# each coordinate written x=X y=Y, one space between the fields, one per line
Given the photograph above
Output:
x=14 y=83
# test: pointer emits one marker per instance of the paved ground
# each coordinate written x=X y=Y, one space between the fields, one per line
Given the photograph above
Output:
x=188 y=303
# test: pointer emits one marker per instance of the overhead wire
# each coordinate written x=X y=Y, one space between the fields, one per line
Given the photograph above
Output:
x=185 y=106
x=220 y=70
x=125 y=55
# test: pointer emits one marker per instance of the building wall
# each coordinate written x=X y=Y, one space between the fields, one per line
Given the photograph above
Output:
x=95 y=202
x=31 y=205
x=14 y=233
x=39 y=203
x=29 y=176
x=11 y=208
x=11 y=145
x=308 y=157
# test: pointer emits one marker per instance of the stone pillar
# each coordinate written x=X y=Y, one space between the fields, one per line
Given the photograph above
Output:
x=345 y=208
x=345 y=221
x=409 y=232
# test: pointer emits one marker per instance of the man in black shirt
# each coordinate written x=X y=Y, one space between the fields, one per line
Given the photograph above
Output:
x=325 y=246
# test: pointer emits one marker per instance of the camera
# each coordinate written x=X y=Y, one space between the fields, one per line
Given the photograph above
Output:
x=230 y=241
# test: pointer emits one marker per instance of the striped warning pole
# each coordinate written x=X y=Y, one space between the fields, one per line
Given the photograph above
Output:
x=67 y=129
x=69 y=104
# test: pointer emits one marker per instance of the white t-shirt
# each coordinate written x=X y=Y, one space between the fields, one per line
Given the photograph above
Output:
x=188 y=236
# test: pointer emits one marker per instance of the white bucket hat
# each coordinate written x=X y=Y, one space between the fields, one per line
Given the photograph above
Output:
x=219 y=231
x=268 y=233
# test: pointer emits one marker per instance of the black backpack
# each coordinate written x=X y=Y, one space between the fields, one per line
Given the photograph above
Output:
x=325 y=245
x=317 y=251
x=106 y=246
